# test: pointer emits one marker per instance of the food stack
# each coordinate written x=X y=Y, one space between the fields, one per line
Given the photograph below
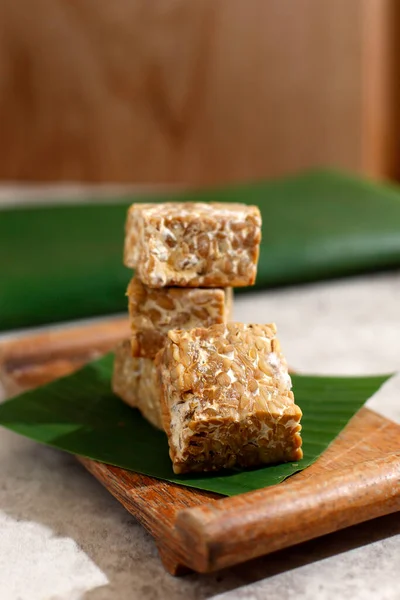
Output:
x=220 y=390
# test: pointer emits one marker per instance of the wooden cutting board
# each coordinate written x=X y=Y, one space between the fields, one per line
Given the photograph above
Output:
x=356 y=479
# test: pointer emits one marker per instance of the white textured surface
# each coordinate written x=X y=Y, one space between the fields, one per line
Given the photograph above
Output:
x=63 y=537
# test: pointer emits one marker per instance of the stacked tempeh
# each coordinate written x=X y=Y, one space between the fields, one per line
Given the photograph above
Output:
x=220 y=390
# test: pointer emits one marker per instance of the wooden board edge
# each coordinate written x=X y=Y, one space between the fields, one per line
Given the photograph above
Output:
x=244 y=527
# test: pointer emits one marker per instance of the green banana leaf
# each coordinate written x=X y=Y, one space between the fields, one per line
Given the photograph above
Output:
x=65 y=262
x=81 y=415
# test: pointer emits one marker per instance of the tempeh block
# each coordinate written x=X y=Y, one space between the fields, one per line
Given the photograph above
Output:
x=135 y=381
x=153 y=312
x=193 y=244
x=226 y=398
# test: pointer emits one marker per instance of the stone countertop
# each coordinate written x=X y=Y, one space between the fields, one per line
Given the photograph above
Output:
x=63 y=537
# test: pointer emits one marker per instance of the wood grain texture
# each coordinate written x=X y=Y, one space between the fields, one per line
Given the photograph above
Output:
x=248 y=526
x=379 y=92
x=196 y=92
x=35 y=360
x=357 y=478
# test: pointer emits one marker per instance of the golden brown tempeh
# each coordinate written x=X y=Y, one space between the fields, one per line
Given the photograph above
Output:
x=227 y=399
x=153 y=312
x=135 y=381
x=193 y=244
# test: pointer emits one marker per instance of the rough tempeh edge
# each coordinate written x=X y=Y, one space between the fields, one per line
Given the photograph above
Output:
x=153 y=312
x=133 y=231
x=229 y=297
x=193 y=244
x=227 y=399
x=135 y=381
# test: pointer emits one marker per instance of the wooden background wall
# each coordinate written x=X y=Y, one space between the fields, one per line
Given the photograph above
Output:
x=195 y=91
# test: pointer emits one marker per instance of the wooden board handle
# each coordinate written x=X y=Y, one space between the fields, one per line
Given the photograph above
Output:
x=31 y=361
x=247 y=526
